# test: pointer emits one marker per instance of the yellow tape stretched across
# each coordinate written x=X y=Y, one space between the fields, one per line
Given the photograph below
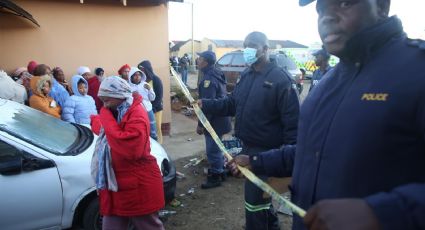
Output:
x=246 y=172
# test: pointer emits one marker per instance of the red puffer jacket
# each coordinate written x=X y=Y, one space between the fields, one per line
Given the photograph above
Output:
x=140 y=189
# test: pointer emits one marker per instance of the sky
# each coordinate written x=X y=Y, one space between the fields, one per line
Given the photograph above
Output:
x=278 y=19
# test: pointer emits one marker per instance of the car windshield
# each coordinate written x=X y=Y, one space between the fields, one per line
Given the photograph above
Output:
x=225 y=60
x=288 y=63
x=238 y=60
x=37 y=128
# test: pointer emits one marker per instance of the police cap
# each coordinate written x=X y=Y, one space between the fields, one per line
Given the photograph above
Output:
x=305 y=2
x=208 y=55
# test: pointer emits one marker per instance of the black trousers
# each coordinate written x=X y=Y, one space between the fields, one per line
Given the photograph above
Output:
x=259 y=212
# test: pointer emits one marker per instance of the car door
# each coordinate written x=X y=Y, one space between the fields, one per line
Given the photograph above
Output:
x=30 y=190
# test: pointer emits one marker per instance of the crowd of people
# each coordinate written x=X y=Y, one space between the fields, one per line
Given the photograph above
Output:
x=46 y=89
x=355 y=149
x=123 y=111
x=181 y=65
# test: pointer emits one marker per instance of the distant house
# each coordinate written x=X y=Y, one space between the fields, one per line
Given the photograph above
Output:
x=181 y=47
x=95 y=33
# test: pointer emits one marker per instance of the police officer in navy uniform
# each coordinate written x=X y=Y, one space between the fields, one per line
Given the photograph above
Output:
x=266 y=108
x=212 y=86
x=322 y=61
x=360 y=153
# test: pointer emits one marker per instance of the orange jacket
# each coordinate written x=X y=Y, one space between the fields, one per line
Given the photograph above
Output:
x=41 y=102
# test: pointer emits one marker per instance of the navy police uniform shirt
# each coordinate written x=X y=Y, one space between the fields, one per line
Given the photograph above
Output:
x=265 y=106
x=213 y=86
x=362 y=131
x=317 y=76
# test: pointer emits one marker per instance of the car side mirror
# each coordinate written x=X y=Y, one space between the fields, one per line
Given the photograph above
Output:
x=11 y=166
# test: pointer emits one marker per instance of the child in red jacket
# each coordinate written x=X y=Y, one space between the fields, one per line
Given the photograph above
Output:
x=127 y=176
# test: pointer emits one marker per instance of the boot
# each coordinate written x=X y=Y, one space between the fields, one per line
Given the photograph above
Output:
x=222 y=175
x=213 y=180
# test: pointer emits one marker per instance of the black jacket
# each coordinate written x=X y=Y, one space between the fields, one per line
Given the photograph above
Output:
x=362 y=132
x=265 y=105
x=157 y=104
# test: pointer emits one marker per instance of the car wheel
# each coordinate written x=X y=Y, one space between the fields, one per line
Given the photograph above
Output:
x=91 y=218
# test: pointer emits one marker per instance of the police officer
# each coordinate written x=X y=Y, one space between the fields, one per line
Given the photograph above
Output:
x=322 y=61
x=266 y=107
x=212 y=86
x=360 y=155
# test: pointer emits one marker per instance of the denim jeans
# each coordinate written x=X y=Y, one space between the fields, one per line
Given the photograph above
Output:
x=184 y=76
x=151 y=116
x=214 y=155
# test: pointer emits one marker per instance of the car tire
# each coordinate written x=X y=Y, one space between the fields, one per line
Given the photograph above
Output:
x=91 y=218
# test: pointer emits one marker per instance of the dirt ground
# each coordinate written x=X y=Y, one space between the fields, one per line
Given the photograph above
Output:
x=219 y=208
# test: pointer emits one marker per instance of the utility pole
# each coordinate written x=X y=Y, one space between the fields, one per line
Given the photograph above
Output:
x=193 y=43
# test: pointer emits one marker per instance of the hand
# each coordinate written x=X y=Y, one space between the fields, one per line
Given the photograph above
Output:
x=147 y=86
x=241 y=160
x=199 y=102
x=92 y=117
x=200 y=130
x=341 y=214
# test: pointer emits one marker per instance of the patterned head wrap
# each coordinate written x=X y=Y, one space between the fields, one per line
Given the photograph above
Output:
x=116 y=87
x=19 y=71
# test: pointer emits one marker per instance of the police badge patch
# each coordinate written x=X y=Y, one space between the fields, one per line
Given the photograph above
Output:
x=207 y=83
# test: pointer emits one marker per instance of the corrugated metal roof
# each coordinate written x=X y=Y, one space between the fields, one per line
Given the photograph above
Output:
x=12 y=8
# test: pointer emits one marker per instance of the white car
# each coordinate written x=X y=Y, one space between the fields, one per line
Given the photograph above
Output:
x=45 y=180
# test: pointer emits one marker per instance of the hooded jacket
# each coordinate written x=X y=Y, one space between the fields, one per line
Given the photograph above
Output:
x=41 y=102
x=140 y=189
x=11 y=90
x=78 y=107
x=57 y=91
x=213 y=86
x=147 y=95
x=157 y=104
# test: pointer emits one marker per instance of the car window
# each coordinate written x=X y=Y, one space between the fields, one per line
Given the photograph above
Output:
x=287 y=62
x=238 y=60
x=225 y=60
x=37 y=128
x=8 y=152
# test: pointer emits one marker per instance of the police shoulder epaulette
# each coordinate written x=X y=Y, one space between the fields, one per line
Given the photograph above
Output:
x=416 y=43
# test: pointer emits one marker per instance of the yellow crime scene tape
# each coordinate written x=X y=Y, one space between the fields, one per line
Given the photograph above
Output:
x=246 y=172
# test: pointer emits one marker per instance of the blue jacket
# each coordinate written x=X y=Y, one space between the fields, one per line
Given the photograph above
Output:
x=265 y=106
x=78 y=108
x=59 y=93
x=362 y=131
x=213 y=86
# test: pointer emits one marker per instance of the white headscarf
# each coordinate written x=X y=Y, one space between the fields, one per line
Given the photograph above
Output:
x=116 y=87
x=82 y=70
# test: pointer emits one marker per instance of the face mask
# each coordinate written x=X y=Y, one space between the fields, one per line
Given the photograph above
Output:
x=249 y=54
